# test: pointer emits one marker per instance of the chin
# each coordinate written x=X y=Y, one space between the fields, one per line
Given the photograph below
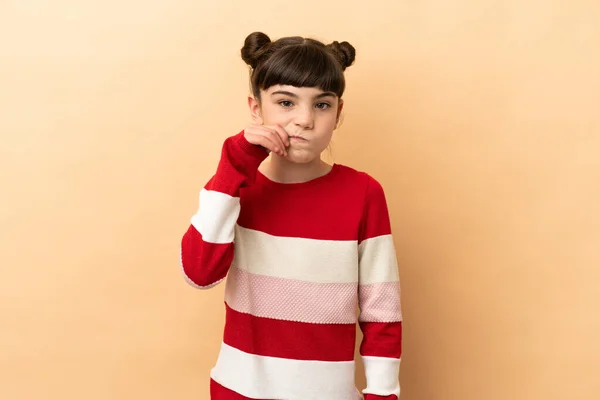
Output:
x=300 y=158
x=304 y=155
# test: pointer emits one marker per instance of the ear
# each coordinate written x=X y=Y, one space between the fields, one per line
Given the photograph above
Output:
x=254 y=106
x=339 y=112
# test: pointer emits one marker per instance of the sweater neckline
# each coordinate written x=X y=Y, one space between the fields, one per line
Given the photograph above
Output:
x=263 y=180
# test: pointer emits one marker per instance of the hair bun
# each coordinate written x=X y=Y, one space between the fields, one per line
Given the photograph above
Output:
x=254 y=47
x=344 y=52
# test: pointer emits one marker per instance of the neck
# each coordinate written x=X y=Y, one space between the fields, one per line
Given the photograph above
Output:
x=280 y=170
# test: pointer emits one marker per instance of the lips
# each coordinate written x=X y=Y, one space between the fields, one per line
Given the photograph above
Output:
x=295 y=134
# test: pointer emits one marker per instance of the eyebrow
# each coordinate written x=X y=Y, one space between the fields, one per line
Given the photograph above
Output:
x=294 y=95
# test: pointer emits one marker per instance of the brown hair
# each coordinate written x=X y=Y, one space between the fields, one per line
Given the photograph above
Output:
x=296 y=61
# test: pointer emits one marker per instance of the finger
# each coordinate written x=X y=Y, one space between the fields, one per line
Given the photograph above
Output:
x=277 y=139
x=261 y=135
x=272 y=134
x=285 y=137
x=266 y=142
x=253 y=138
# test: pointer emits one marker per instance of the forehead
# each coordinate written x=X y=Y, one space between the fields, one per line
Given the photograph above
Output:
x=308 y=92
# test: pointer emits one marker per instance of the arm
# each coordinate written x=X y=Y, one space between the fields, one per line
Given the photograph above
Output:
x=207 y=245
x=380 y=317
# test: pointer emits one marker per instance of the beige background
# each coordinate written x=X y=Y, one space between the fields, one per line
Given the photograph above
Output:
x=480 y=118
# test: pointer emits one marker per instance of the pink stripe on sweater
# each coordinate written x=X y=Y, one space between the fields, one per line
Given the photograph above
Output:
x=380 y=302
x=290 y=299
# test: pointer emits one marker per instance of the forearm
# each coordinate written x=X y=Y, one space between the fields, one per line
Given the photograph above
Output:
x=207 y=245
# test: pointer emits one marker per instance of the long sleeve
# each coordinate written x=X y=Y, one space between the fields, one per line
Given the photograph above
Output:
x=380 y=317
x=207 y=245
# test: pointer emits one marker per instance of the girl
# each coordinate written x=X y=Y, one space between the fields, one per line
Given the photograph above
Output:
x=302 y=243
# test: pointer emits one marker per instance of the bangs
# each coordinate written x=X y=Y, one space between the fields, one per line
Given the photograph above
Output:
x=302 y=66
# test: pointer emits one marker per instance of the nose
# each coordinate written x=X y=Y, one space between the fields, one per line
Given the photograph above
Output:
x=304 y=118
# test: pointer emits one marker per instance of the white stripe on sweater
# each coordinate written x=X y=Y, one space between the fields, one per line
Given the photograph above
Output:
x=263 y=377
x=311 y=260
x=315 y=260
x=377 y=259
x=382 y=375
x=216 y=216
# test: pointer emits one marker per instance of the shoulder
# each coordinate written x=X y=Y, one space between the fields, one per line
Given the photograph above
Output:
x=363 y=181
x=374 y=214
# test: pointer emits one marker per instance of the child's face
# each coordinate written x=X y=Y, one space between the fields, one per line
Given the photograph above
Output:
x=309 y=116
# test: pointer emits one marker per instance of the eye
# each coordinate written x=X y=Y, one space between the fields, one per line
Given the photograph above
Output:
x=286 y=103
x=323 y=106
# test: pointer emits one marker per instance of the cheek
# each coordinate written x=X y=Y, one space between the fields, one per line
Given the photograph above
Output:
x=327 y=124
x=273 y=114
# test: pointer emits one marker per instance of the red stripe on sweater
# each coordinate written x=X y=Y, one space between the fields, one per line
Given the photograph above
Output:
x=381 y=339
x=377 y=397
x=288 y=339
x=219 y=392
x=311 y=210
x=204 y=263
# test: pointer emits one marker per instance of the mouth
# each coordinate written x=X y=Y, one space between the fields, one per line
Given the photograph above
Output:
x=296 y=136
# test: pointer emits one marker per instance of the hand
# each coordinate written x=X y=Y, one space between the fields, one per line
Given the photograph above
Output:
x=272 y=138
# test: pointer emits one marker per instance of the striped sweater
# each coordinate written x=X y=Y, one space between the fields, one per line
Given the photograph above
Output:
x=303 y=263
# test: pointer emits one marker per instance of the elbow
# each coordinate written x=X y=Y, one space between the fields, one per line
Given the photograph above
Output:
x=196 y=276
x=201 y=282
x=203 y=264
x=197 y=272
